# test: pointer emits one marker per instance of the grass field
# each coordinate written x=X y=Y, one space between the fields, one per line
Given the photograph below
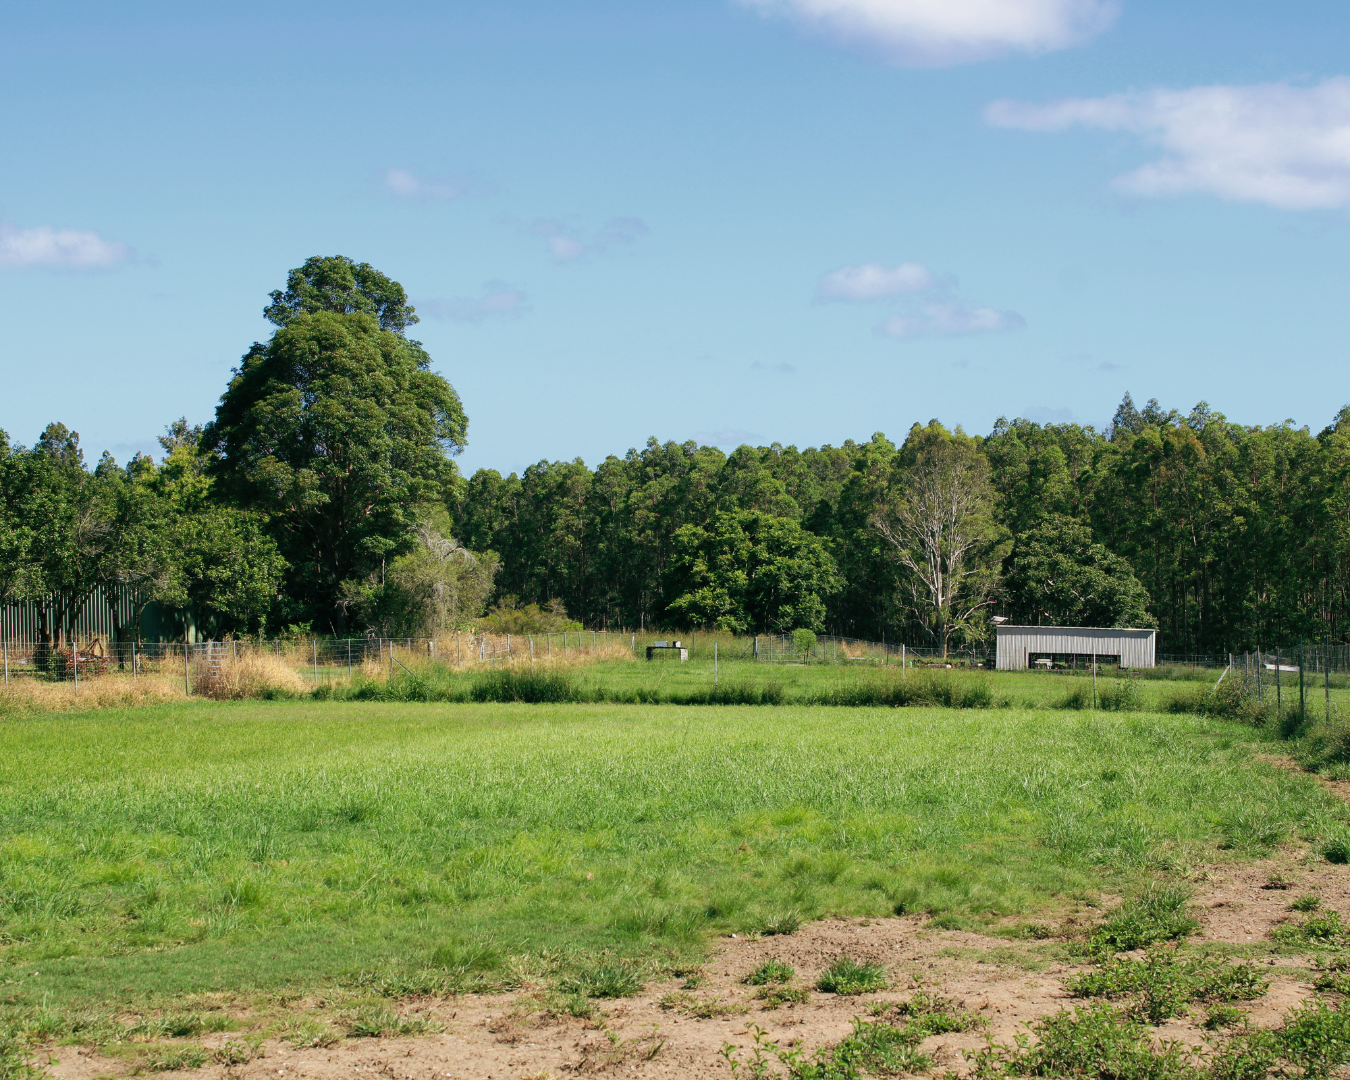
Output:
x=155 y=853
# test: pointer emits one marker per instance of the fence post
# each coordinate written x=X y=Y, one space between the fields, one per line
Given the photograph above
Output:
x=1326 y=675
x=1259 y=666
x=1302 y=701
x=133 y=662
x=1094 y=681
x=187 y=675
x=314 y=645
x=714 y=663
x=391 y=661
x=7 y=662
x=349 y=658
x=903 y=664
x=531 y=655
x=1279 y=685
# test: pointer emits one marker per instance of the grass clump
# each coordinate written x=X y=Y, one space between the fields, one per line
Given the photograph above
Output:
x=701 y=1008
x=771 y=971
x=871 y=1049
x=787 y=922
x=174 y=1058
x=775 y=997
x=606 y=980
x=1306 y=902
x=518 y=684
x=1221 y=1016
x=848 y=977
x=377 y=1022
x=933 y=1014
x=1120 y=695
x=1158 y=915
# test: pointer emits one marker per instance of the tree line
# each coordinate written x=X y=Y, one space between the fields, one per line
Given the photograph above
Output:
x=324 y=496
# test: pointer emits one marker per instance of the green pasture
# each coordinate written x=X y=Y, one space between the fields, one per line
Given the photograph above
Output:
x=150 y=854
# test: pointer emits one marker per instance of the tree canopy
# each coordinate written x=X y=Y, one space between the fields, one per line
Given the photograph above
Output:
x=337 y=284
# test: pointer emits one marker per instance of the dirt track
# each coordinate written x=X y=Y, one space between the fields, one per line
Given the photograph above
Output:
x=1011 y=983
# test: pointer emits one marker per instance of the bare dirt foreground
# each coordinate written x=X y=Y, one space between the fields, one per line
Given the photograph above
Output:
x=673 y=1031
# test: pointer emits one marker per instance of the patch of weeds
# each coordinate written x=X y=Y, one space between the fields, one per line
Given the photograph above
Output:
x=1306 y=902
x=1336 y=851
x=848 y=978
x=1095 y=1040
x=615 y=1051
x=786 y=922
x=173 y=1058
x=1252 y=1055
x=1158 y=915
x=303 y=1032
x=1319 y=930
x=771 y=971
x=775 y=997
x=233 y=1052
x=933 y=1014
x=1163 y=984
x=1277 y=881
x=608 y=980
x=373 y=1022
x=1222 y=1016
x=701 y=1008
x=1316 y=1036
x=14 y=1058
x=871 y=1048
x=1333 y=975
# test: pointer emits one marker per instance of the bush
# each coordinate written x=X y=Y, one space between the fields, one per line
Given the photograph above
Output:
x=248 y=675
x=1119 y=695
x=803 y=641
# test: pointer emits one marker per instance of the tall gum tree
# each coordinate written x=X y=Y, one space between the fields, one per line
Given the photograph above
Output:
x=339 y=432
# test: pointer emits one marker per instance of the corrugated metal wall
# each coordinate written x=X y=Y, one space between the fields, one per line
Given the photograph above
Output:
x=1018 y=644
x=20 y=621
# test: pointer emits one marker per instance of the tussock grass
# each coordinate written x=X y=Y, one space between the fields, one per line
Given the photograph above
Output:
x=250 y=674
x=848 y=977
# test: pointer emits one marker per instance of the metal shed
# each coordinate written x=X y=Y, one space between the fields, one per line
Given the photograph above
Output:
x=1021 y=647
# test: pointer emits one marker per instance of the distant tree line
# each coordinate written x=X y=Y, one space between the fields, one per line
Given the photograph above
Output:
x=323 y=496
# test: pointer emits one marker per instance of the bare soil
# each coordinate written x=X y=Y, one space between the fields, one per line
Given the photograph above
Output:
x=1010 y=982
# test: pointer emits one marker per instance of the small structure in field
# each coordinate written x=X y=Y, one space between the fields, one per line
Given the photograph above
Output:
x=1022 y=648
x=668 y=645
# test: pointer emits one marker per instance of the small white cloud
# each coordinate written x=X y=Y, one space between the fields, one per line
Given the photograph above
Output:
x=725 y=437
x=1273 y=143
x=873 y=281
x=932 y=33
x=1108 y=367
x=408 y=185
x=566 y=244
x=951 y=319
x=76 y=249
x=499 y=300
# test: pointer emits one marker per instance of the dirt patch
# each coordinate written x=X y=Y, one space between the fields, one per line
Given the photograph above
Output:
x=678 y=1028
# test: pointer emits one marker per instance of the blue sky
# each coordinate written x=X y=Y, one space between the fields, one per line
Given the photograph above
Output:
x=731 y=220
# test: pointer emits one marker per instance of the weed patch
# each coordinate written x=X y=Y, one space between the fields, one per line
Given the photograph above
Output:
x=607 y=980
x=848 y=977
x=1158 y=915
x=374 y=1022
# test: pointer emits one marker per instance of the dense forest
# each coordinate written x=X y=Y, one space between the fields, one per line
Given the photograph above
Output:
x=324 y=496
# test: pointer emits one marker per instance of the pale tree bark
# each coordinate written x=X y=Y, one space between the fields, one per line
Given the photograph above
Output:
x=942 y=531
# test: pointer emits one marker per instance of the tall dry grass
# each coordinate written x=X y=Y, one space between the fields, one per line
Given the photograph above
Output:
x=463 y=655
x=247 y=675
x=100 y=692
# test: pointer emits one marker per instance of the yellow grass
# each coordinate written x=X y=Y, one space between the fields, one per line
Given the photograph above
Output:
x=250 y=674
x=100 y=692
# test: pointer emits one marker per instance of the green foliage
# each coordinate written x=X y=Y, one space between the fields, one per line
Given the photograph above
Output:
x=379 y=1022
x=604 y=980
x=339 y=432
x=1319 y=930
x=848 y=977
x=771 y=971
x=784 y=922
x=1095 y=1040
x=519 y=684
x=340 y=285
x=1059 y=576
x=1162 y=983
x=1306 y=902
x=803 y=641
x=938 y=689
x=1159 y=915
x=750 y=572
x=1119 y=695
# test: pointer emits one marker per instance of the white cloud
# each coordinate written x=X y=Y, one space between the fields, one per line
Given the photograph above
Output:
x=77 y=249
x=872 y=281
x=1283 y=145
x=566 y=244
x=930 y=33
x=499 y=300
x=950 y=319
x=408 y=185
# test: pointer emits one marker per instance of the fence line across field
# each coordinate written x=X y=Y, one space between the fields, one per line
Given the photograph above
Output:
x=1267 y=672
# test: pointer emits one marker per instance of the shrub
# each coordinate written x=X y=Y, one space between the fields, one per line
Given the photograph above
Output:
x=803 y=641
x=1306 y=902
x=1336 y=851
x=1076 y=697
x=787 y=922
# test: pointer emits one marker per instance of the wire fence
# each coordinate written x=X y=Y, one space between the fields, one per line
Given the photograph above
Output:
x=200 y=665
